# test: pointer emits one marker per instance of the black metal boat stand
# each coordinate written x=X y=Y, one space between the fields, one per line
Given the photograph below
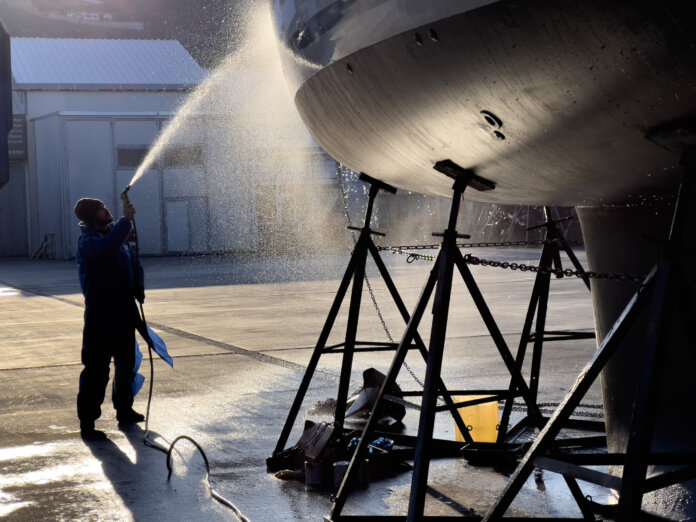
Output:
x=661 y=291
x=549 y=263
x=440 y=280
x=356 y=272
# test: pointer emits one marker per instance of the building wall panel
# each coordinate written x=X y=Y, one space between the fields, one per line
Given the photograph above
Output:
x=184 y=182
x=13 y=228
x=48 y=213
x=89 y=169
x=135 y=132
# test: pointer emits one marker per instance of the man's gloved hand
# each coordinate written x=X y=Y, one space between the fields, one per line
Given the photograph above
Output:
x=140 y=293
x=128 y=210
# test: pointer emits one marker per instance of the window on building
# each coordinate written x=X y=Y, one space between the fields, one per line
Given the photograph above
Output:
x=183 y=156
x=131 y=157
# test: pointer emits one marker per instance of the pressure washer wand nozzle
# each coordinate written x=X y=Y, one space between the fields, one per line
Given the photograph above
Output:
x=124 y=194
x=134 y=234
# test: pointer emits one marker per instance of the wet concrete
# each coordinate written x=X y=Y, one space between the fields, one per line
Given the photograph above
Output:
x=241 y=333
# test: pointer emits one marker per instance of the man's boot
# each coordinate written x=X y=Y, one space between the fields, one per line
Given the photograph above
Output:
x=129 y=416
x=87 y=431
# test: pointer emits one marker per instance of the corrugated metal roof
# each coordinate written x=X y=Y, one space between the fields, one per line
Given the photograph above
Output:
x=83 y=64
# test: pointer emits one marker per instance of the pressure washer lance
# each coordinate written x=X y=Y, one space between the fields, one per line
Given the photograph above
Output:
x=133 y=239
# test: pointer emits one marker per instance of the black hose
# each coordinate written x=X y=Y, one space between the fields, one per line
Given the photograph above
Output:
x=156 y=445
x=146 y=438
x=212 y=492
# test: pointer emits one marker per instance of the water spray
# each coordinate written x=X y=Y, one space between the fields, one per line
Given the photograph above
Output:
x=269 y=103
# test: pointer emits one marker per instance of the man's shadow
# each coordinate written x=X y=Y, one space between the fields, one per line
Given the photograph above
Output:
x=142 y=480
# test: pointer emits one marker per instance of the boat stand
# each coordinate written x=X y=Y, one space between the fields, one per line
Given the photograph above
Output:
x=440 y=280
x=660 y=291
x=356 y=272
x=549 y=263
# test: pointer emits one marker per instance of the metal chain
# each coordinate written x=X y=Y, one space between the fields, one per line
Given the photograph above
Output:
x=344 y=198
x=473 y=260
x=479 y=245
x=630 y=278
x=410 y=256
x=386 y=330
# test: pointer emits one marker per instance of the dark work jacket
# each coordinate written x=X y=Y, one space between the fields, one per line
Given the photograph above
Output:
x=105 y=265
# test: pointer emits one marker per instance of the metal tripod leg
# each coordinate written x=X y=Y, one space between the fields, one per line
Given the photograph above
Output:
x=355 y=271
x=538 y=306
x=390 y=379
x=449 y=257
x=351 y=330
x=541 y=286
x=542 y=307
x=318 y=350
x=573 y=259
x=419 y=481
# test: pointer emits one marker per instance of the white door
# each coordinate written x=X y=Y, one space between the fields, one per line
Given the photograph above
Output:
x=186 y=224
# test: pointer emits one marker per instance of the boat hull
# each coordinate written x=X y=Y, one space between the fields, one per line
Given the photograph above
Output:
x=568 y=89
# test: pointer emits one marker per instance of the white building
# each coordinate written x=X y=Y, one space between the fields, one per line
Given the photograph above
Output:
x=93 y=109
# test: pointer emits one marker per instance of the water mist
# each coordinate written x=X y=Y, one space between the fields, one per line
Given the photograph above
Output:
x=267 y=186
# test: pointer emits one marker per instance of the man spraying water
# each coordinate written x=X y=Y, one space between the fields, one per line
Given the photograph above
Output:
x=111 y=277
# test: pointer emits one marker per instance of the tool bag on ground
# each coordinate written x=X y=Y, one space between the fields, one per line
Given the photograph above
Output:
x=317 y=443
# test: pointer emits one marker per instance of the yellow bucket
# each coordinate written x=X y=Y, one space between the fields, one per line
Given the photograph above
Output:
x=481 y=419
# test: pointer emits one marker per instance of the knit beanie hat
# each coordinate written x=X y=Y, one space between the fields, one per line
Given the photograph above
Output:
x=86 y=209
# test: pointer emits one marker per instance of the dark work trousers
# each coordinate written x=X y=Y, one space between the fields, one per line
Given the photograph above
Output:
x=106 y=335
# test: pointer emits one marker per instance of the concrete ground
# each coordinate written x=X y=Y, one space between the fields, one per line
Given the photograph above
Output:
x=241 y=333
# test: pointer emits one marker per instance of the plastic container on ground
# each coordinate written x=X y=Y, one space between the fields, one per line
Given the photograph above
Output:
x=481 y=419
